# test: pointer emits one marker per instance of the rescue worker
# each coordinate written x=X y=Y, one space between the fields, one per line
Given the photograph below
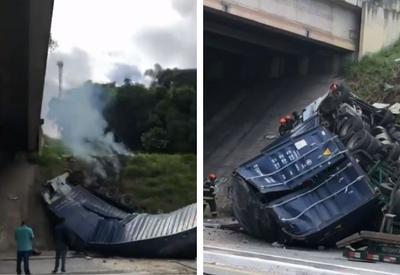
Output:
x=209 y=194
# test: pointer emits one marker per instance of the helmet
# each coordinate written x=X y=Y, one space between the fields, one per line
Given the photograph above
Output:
x=333 y=88
x=282 y=121
x=212 y=177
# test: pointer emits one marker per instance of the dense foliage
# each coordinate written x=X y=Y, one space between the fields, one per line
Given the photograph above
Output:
x=160 y=181
x=376 y=78
x=158 y=118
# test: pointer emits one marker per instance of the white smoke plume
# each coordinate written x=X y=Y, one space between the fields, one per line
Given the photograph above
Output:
x=79 y=118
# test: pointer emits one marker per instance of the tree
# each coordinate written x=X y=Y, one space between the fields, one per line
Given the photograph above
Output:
x=158 y=118
x=155 y=140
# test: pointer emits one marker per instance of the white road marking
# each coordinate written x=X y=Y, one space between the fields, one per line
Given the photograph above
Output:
x=282 y=261
x=212 y=268
x=275 y=266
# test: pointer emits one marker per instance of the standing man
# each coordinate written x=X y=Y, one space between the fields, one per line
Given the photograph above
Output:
x=209 y=194
x=24 y=237
x=60 y=235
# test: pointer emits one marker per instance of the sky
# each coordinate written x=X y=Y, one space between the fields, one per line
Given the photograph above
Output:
x=109 y=40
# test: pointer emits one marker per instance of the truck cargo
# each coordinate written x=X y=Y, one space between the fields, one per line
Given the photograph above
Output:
x=332 y=172
x=95 y=225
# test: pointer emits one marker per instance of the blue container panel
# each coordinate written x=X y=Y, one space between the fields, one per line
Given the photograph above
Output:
x=107 y=229
x=81 y=221
x=289 y=164
x=332 y=197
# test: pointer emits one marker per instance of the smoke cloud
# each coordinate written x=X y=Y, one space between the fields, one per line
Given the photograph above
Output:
x=82 y=127
x=77 y=117
x=77 y=70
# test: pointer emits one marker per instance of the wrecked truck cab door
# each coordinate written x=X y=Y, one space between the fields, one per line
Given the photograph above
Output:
x=303 y=188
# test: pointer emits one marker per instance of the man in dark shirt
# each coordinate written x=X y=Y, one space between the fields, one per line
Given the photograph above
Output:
x=60 y=235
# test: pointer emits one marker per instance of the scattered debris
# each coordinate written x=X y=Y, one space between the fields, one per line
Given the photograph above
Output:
x=270 y=137
x=380 y=105
x=13 y=197
x=277 y=245
x=388 y=87
x=235 y=226
x=395 y=108
x=212 y=225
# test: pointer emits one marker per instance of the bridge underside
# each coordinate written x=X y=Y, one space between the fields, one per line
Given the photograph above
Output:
x=24 y=35
x=239 y=53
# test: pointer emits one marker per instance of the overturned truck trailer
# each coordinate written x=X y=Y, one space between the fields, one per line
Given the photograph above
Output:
x=333 y=173
x=95 y=225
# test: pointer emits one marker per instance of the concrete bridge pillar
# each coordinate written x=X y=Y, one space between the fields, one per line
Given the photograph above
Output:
x=303 y=65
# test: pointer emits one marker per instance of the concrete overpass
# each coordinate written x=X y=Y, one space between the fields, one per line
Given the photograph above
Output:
x=334 y=23
x=24 y=38
x=358 y=26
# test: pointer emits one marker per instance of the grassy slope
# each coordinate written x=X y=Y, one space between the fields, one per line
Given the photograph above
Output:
x=160 y=181
x=369 y=77
x=50 y=159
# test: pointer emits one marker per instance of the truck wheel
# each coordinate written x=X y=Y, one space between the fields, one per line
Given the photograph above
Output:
x=360 y=140
x=350 y=127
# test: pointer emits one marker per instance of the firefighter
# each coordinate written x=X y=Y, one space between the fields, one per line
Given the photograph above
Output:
x=209 y=194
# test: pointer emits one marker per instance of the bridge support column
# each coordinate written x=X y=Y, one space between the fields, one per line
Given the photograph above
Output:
x=303 y=65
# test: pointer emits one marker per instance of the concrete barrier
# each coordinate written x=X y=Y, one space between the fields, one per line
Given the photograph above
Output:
x=380 y=25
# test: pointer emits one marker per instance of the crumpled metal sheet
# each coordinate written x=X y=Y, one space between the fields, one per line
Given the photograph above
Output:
x=98 y=226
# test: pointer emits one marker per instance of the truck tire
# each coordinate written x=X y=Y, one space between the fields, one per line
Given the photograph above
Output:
x=350 y=127
x=359 y=141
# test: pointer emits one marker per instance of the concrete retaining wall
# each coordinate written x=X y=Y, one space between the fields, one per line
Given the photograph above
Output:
x=380 y=25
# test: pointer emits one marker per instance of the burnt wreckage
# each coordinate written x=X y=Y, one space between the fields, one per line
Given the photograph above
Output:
x=96 y=225
x=334 y=171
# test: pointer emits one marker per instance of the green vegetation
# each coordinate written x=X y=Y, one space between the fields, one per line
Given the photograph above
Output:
x=160 y=181
x=160 y=118
x=376 y=78
x=51 y=159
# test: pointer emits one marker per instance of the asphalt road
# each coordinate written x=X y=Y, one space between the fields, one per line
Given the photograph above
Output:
x=44 y=264
x=228 y=252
